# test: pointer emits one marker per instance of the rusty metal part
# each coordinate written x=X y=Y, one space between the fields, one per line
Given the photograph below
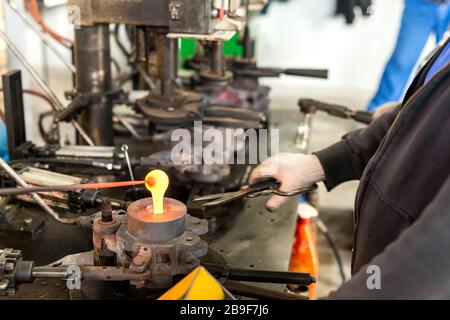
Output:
x=157 y=247
x=186 y=16
x=106 y=210
x=215 y=72
x=98 y=273
x=103 y=236
x=144 y=224
x=165 y=259
x=181 y=110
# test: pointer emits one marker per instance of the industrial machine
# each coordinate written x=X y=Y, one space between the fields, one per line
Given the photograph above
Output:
x=124 y=127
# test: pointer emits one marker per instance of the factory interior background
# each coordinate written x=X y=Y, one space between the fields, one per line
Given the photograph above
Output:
x=294 y=33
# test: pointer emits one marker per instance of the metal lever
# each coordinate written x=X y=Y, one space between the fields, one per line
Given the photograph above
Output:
x=72 y=109
x=276 y=72
x=311 y=106
x=302 y=279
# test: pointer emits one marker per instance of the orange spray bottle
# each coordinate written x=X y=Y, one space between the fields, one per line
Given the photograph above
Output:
x=304 y=256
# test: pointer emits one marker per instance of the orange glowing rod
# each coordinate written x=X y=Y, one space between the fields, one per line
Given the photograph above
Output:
x=150 y=181
x=156 y=182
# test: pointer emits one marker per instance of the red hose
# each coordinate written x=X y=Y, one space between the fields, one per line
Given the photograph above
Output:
x=33 y=8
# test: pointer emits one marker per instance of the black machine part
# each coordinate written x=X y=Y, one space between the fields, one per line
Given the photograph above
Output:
x=218 y=270
x=246 y=290
x=15 y=271
x=276 y=72
x=14 y=111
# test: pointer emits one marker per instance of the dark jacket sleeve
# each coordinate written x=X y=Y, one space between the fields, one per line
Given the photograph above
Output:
x=346 y=159
x=416 y=265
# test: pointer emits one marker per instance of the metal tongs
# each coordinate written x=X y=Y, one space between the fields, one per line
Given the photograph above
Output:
x=261 y=188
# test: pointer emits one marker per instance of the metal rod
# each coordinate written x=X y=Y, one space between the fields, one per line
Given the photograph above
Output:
x=131 y=129
x=35 y=196
x=41 y=82
x=85 y=186
x=216 y=53
x=130 y=170
x=41 y=35
x=89 y=273
x=145 y=76
x=50 y=272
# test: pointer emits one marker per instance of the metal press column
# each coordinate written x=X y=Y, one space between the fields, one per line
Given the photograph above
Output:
x=93 y=78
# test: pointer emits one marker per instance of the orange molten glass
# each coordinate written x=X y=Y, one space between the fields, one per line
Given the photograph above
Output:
x=159 y=184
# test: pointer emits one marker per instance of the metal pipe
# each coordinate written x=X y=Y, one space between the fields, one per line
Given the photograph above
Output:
x=216 y=59
x=90 y=273
x=141 y=40
x=41 y=82
x=50 y=272
x=41 y=35
x=141 y=44
x=35 y=196
x=93 y=79
x=248 y=44
x=167 y=52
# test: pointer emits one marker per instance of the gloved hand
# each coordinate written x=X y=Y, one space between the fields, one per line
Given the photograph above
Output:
x=384 y=108
x=294 y=171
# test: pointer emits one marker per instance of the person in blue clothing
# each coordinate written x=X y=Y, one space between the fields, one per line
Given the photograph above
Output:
x=3 y=142
x=421 y=18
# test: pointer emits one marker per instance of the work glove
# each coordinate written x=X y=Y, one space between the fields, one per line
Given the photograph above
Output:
x=294 y=171
x=384 y=108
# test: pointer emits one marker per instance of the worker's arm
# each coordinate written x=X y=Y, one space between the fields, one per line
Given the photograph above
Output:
x=347 y=159
x=338 y=163
x=416 y=265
